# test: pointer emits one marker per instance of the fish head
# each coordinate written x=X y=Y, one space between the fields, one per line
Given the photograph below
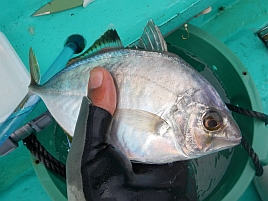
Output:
x=213 y=130
x=208 y=126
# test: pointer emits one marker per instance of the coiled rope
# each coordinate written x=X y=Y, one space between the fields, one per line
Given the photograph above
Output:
x=254 y=157
x=42 y=155
x=263 y=117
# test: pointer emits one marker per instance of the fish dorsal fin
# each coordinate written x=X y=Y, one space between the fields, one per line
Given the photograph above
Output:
x=142 y=120
x=151 y=39
x=34 y=68
x=110 y=39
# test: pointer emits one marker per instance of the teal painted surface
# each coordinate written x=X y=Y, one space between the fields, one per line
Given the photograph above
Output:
x=47 y=34
x=235 y=25
x=18 y=180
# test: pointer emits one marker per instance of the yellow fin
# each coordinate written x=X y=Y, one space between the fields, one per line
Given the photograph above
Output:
x=34 y=68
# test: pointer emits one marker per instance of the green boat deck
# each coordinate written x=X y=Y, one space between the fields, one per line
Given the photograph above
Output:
x=233 y=23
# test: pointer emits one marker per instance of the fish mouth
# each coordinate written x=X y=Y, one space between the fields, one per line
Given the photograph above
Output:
x=221 y=144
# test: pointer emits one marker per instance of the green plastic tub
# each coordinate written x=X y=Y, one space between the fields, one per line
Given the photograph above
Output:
x=224 y=70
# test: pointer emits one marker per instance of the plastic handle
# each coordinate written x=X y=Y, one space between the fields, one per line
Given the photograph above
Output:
x=75 y=44
x=59 y=63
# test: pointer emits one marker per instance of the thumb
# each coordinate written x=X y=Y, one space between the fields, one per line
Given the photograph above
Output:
x=101 y=89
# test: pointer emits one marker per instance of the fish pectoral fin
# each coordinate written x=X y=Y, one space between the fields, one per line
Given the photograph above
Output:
x=143 y=121
x=110 y=39
x=151 y=39
x=34 y=68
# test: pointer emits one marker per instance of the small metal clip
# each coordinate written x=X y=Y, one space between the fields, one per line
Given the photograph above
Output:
x=188 y=34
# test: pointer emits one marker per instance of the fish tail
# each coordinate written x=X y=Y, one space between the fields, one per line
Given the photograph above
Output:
x=34 y=68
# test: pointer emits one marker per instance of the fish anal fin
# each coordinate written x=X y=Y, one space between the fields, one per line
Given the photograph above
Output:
x=34 y=68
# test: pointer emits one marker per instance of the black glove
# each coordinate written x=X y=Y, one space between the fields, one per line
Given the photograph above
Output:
x=98 y=171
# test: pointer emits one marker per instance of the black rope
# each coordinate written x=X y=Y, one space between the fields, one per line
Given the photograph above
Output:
x=254 y=157
x=263 y=117
x=42 y=155
x=250 y=113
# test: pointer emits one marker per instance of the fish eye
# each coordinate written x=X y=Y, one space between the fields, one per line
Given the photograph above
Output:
x=212 y=120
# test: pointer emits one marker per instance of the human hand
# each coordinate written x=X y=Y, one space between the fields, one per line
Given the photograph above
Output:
x=91 y=158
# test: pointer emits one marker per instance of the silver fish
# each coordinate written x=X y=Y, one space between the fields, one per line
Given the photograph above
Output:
x=166 y=110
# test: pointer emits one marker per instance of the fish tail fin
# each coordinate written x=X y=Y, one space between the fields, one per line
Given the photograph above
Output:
x=34 y=68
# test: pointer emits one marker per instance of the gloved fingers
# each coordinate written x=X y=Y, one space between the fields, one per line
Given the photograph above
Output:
x=91 y=129
x=101 y=89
